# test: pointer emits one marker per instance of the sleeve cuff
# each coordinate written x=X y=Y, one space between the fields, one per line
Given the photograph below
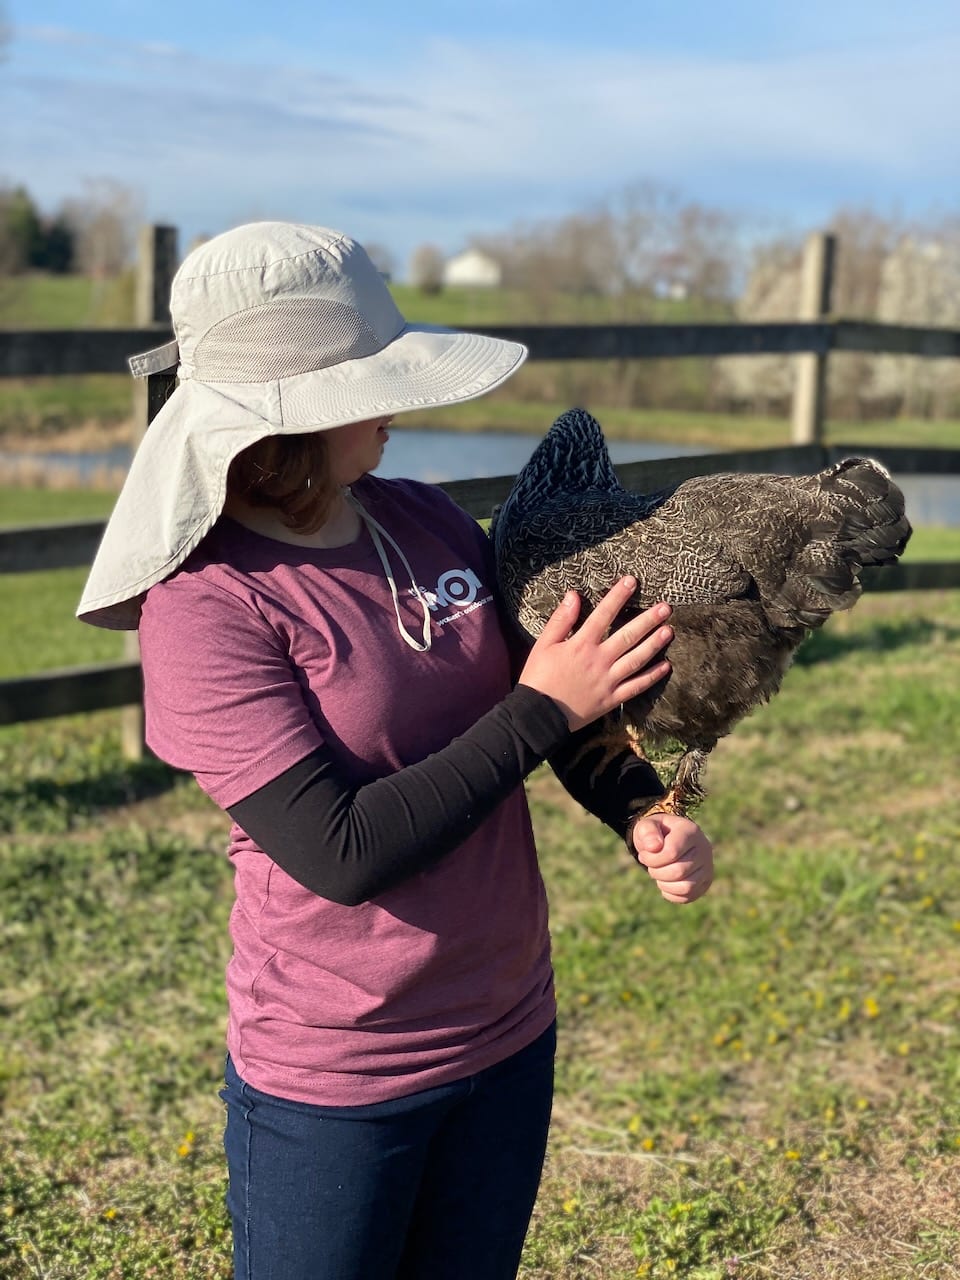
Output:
x=537 y=719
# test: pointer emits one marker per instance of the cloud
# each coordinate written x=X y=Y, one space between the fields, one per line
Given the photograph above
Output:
x=470 y=138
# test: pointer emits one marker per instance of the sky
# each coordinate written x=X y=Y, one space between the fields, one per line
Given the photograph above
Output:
x=432 y=122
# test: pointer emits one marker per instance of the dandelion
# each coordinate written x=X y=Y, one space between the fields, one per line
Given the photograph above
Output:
x=843 y=1013
x=903 y=1048
x=648 y=1144
x=110 y=1214
x=791 y=1155
x=570 y=1205
x=633 y=1125
x=870 y=1007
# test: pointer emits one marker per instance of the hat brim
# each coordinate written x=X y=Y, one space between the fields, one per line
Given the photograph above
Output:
x=177 y=482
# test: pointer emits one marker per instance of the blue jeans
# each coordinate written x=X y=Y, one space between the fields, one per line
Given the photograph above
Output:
x=438 y=1185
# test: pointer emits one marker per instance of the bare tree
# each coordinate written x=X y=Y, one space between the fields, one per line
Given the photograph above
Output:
x=104 y=221
x=426 y=268
x=382 y=259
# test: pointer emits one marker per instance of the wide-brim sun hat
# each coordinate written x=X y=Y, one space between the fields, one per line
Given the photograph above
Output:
x=280 y=329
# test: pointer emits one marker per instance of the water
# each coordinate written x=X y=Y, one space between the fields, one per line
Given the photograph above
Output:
x=435 y=456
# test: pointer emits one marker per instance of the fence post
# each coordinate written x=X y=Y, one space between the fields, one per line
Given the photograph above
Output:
x=156 y=264
x=810 y=385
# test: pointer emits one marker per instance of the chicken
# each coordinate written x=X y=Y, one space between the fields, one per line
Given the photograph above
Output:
x=749 y=563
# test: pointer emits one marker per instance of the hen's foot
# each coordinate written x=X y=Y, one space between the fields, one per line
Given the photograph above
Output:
x=612 y=742
x=673 y=802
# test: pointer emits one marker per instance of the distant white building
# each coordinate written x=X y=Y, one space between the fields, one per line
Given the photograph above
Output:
x=473 y=269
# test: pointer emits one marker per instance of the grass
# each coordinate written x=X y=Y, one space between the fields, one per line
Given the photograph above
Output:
x=41 y=301
x=762 y=1085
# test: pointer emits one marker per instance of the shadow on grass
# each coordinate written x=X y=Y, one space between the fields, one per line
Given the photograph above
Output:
x=827 y=645
x=49 y=803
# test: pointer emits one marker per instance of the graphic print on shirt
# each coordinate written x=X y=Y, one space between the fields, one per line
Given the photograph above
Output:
x=457 y=588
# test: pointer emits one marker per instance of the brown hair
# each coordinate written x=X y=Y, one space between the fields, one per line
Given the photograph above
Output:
x=290 y=473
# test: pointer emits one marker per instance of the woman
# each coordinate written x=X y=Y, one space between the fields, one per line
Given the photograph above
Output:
x=322 y=650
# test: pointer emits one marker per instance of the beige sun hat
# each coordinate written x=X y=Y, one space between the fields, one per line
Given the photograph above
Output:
x=280 y=328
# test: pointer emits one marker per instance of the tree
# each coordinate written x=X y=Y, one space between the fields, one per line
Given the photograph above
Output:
x=21 y=233
x=426 y=268
x=382 y=259
x=58 y=247
x=104 y=222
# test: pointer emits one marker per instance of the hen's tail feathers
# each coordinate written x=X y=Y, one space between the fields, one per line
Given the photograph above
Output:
x=860 y=520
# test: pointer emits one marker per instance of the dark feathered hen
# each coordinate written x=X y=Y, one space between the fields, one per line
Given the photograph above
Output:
x=750 y=563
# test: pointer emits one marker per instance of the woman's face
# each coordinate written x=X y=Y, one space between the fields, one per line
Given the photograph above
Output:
x=356 y=448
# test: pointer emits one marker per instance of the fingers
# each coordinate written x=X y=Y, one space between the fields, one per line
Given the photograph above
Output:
x=685 y=894
x=677 y=855
x=640 y=652
x=683 y=881
x=610 y=606
x=561 y=622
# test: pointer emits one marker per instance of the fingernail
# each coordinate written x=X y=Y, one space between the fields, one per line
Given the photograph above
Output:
x=664 y=633
x=629 y=582
x=570 y=597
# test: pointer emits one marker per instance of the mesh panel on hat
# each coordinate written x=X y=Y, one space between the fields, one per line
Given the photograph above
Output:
x=281 y=339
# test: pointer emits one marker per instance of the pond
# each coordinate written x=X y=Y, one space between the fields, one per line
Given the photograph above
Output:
x=435 y=456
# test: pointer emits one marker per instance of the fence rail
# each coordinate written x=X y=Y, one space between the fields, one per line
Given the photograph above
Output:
x=52 y=352
x=811 y=339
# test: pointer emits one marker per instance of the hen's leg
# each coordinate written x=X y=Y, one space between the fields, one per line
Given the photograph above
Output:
x=685 y=789
x=616 y=736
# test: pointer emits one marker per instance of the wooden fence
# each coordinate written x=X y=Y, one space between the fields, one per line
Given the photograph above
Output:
x=810 y=340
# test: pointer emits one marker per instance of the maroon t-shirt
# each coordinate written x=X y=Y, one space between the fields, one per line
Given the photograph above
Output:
x=257 y=652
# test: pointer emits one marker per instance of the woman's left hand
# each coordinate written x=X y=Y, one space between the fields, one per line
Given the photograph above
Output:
x=677 y=854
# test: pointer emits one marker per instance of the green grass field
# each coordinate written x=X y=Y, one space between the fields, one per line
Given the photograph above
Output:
x=762 y=1085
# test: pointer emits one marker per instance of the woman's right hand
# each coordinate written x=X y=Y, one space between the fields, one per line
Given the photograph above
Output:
x=588 y=672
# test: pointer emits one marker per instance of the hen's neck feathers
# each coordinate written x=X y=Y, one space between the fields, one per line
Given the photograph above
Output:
x=571 y=458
